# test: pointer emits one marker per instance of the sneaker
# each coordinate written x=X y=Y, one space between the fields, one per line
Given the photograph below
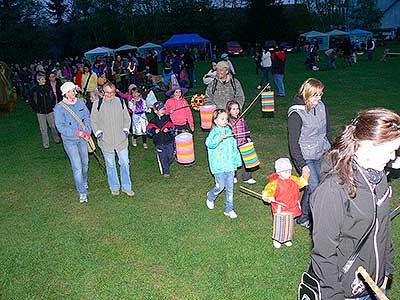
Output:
x=145 y=146
x=305 y=224
x=259 y=87
x=115 y=193
x=134 y=143
x=231 y=214
x=250 y=181
x=288 y=244
x=129 y=193
x=277 y=245
x=210 y=204
x=82 y=198
x=166 y=175
x=234 y=180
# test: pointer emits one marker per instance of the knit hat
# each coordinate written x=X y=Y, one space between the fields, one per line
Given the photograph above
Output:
x=222 y=64
x=158 y=106
x=132 y=86
x=283 y=164
x=66 y=87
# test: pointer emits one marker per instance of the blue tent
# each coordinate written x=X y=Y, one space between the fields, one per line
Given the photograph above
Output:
x=186 y=40
x=150 y=46
x=360 y=35
x=99 y=51
x=126 y=48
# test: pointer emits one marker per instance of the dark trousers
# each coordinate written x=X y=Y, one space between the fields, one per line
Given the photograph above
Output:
x=165 y=157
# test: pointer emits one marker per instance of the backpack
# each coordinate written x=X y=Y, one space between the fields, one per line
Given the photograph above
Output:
x=215 y=81
x=101 y=102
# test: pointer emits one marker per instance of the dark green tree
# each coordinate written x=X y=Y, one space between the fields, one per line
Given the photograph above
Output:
x=365 y=15
x=57 y=9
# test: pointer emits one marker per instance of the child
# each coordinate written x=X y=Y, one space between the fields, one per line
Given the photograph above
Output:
x=239 y=128
x=178 y=109
x=283 y=187
x=136 y=106
x=161 y=129
x=224 y=159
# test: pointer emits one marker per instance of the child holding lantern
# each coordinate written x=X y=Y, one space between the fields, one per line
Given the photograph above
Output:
x=282 y=191
x=242 y=135
x=224 y=159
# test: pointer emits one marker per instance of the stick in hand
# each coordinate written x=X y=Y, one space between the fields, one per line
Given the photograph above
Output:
x=253 y=193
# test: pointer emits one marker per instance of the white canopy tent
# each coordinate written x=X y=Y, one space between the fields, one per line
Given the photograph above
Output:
x=150 y=46
x=99 y=51
x=322 y=38
x=126 y=48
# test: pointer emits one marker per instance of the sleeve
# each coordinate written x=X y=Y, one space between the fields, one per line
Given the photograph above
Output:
x=328 y=126
x=270 y=188
x=328 y=211
x=94 y=119
x=246 y=129
x=294 y=131
x=389 y=252
x=168 y=106
x=189 y=117
x=61 y=122
x=33 y=100
x=126 y=118
x=122 y=95
x=213 y=139
x=209 y=97
x=86 y=118
x=300 y=181
x=239 y=94
x=151 y=129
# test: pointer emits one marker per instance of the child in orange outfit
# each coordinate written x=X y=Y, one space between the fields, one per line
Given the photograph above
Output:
x=284 y=188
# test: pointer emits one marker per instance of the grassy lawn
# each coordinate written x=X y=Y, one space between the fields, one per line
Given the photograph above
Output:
x=164 y=243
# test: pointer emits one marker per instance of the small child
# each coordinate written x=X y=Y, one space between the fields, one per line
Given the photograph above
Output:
x=161 y=129
x=136 y=106
x=283 y=187
x=239 y=128
x=179 y=110
x=224 y=159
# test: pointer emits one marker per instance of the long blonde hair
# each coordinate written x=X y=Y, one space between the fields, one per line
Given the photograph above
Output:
x=308 y=89
x=378 y=125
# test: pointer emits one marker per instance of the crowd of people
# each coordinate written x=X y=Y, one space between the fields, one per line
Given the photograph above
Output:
x=344 y=182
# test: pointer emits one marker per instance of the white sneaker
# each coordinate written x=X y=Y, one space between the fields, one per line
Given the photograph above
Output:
x=234 y=180
x=82 y=198
x=231 y=214
x=210 y=204
x=250 y=181
x=259 y=87
x=134 y=143
x=288 y=244
x=277 y=245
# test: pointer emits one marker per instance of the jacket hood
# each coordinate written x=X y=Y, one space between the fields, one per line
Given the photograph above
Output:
x=274 y=176
x=298 y=101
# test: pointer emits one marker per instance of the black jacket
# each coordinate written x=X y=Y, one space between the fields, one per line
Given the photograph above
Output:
x=294 y=130
x=42 y=99
x=58 y=90
x=161 y=123
x=339 y=223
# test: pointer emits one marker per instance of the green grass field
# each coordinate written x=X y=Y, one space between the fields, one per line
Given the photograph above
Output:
x=164 y=243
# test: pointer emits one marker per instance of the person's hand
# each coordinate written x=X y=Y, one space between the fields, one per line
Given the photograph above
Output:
x=192 y=129
x=171 y=111
x=86 y=136
x=305 y=171
x=223 y=136
x=166 y=130
x=79 y=133
x=248 y=140
x=117 y=90
x=100 y=136
x=126 y=133
x=157 y=131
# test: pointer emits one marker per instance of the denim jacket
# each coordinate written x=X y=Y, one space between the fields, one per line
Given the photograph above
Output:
x=223 y=154
x=65 y=122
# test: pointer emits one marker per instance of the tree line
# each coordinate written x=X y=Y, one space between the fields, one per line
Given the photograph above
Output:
x=31 y=29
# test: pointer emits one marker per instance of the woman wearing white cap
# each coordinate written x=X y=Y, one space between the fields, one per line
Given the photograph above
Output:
x=74 y=136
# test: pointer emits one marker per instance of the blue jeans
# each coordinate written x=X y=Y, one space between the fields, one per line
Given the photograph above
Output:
x=370 y=54
x=265 y=78
x=368 y=297
x=112 y=174
x=278 y=78
x=77 y=151
x=313 y=182
x=223 y=180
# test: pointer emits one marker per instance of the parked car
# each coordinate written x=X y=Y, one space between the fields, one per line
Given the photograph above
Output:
x=270 y=44
x=286 y=46
x=233 y=48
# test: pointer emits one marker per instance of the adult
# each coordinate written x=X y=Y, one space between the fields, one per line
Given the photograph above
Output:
x=211 y=74
x=370 y=48
x=308 y=127
x=347 y=52
x=42 y=101
x=278 y=58
x=75 y=137
x=266 y=64
x=188 y=63
x=110 y=121
x=55 y=85
x=89 y=83
x=352 y=205
x=224 y=88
